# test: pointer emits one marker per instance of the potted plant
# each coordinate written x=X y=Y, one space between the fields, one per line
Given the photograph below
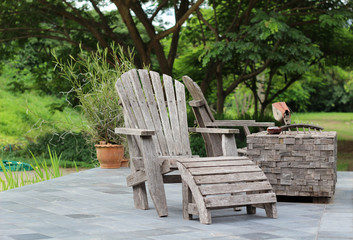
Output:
x=93 y=76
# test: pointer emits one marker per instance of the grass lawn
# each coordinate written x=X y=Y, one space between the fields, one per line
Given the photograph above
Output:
x=342 y=123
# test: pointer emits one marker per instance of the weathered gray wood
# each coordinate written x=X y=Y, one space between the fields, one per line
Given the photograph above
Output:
x=204 y=213
x=133 y=102
x=271 y=210
x=215 y=189
x=197 y=103
x=173 y=114
x=140 y=196
x=126 y=104
x=240 y=200
x=154 y=176
x=209 y=159
x=192 y=209
x=214 y=130
x=229 y=147
x=203 y=114
x=134 y=131
x=140 y=176
x=187 y=199
x=146 y=83
x=223 y=170
x=217 y=163
x=183 y=121
x=158 y=91
x=227 y=178
x=205 y=118
x=139 y=191
x=136 y=85
x=145 y=102
x=238 y=123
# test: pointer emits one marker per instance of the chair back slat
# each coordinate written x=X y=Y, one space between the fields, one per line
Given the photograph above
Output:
x=173 y=113
x=151 y=101
x=197 y=94
x=183 y=121
x=141 y=100
x=137 y=116
x=150 y=105
x=163 y=114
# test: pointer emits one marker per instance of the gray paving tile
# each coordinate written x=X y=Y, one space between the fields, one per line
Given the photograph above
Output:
x=96 y=204
x=30 y=236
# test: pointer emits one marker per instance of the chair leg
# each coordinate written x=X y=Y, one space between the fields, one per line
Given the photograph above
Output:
x=140 y=196
x=271 y=210
x=250 y=209
x=154 y=176
x=187 y=198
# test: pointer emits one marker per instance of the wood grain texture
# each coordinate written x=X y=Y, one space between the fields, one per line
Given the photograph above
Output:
x=154 y=176
x=173 y=113
x=159 y=95
x=214 y=130
x=134 y=131
x=149 y=94
x=229 y=147
x=183 y=121
x=240 y=200
x=215 y=189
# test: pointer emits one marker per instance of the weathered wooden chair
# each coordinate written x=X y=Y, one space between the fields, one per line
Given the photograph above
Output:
x=156 y=126
x=204 y=118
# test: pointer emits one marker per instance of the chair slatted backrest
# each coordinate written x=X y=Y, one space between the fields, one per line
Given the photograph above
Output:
x=203 y=114
x=197 y=95
x=150 y=105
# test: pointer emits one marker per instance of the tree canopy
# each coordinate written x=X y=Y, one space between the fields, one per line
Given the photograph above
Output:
x=219 y=43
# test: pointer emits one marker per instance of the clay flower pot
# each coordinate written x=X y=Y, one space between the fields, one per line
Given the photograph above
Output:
x=110 y=155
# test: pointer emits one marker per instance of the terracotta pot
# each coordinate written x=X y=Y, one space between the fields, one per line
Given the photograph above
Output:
x=109 y=155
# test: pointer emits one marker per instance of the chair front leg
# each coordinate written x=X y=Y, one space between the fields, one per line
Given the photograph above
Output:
x=154 y=176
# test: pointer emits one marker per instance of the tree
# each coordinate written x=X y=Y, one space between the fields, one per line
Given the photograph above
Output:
x=84 y=22
x=242 y=39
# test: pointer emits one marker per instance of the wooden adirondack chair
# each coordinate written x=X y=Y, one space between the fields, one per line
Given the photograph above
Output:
x=205 y=119
x=156 y=126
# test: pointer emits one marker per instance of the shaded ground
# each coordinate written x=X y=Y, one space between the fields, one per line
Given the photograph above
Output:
x=345 y=154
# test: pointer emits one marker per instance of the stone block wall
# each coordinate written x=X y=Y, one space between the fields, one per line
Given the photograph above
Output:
x=297 y=163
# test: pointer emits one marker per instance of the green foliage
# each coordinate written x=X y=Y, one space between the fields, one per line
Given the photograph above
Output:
x=73 y=146
x=26 y=116
x=197 y=145
x=92 y=77
x=41 y=170
x=327 y=90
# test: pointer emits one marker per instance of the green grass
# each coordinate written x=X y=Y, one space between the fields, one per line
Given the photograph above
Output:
x=27 y=115
x=42 y=172
x=342 y=123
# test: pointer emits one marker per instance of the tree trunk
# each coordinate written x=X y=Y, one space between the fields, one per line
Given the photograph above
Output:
x=220 y=91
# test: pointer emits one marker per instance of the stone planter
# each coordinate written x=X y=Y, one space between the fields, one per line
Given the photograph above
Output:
x=297 y=163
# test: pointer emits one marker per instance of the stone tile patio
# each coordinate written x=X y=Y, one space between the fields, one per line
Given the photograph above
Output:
x=96 y=204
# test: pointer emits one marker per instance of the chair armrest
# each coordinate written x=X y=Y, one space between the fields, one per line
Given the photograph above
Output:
x=238 y=123
x=214 y=130
x=135 y=132
x=197 y=103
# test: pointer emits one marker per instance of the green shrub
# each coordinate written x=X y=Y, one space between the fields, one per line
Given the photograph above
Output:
x=71 y=146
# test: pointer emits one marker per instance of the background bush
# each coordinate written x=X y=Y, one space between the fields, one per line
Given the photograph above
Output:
x=71 y=146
